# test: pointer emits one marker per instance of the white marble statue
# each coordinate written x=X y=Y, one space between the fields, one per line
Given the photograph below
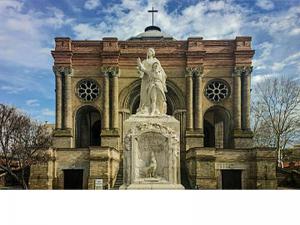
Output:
x=153 y=86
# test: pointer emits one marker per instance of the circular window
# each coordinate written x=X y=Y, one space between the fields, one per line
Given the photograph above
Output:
x=216 y=90
x=88 y=90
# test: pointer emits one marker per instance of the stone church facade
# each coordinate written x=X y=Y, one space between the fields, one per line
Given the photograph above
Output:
x=208 y=91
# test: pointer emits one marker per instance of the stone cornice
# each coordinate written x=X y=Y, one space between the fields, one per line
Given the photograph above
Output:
x=244 y=53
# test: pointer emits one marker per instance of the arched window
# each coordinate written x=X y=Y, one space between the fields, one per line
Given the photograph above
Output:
x=88 y=127
x=217 y=128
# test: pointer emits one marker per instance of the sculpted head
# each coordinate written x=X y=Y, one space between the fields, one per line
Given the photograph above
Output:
x=150 y=53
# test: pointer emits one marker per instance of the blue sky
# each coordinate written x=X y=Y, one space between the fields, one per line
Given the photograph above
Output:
x=28 y=29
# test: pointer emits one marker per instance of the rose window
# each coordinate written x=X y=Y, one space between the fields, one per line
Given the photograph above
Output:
x=216 y=90
x=88 y=90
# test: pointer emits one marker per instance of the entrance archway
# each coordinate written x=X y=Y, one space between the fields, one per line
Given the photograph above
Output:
x=88 y=127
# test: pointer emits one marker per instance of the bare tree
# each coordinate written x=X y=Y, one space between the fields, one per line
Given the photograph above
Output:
x=275 y=111
x=23 y=142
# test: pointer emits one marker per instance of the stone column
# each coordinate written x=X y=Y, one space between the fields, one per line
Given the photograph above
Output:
x=67 y=96
x=115 y=98
x=198 y=120
x=189 y=98
x=246 y=98
x=106 y=99
x=237 y=98
x=58 y=97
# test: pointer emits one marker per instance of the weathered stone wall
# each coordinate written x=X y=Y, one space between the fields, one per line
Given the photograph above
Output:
x=42 y=174
x=258 y=167
x=71 y=159
x=96 y=162
x=104 y=164
x=266 y=164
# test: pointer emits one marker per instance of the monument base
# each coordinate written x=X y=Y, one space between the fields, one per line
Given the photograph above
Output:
x=151 y=153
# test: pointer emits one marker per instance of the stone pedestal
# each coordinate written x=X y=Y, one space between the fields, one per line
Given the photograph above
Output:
x=151 y=153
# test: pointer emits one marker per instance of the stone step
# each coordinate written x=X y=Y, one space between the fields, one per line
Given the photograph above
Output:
x=119 y=179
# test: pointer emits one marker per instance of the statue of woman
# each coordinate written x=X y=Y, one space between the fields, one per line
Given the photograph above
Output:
x=153 y=86
x=157 y=89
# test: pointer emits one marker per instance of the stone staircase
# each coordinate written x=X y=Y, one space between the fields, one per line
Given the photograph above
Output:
x=119 y=180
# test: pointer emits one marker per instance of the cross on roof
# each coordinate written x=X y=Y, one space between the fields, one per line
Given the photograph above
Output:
x=153 y=11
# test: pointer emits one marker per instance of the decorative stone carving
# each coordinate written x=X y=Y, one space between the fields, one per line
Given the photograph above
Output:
x=242 y=70
x=217 y=90
x=151 y=156
x=87 y=90
x=151 y=142
x=194 y=71
x=110 y=70
x=62 y=70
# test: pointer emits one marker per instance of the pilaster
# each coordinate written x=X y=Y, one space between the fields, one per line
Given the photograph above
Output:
x=198 y=117
x=246 y=98
x=67 y=98
x=63 y=135
x=110 y=133
x=189 y=98
x=58 y=97
x=115 y=98
x=106 y=104
x=194 y=121
x=237 y=98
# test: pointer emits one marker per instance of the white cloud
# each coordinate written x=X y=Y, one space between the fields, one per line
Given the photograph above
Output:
x=293 y=59
x=212 y=20
x=24 y=34
x=279 y=24
x=278 y=66
x=11 y=4
x=295 y=31
x=16 y=83
x=265 y=50
x=32 y=102
x=10 y=89
x=91 y=4
x=265 y=4
x=87 y=31
x=259 y=78
x=48 y=112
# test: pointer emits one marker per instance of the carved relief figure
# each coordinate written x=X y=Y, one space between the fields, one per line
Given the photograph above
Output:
x=153 y=87
x=152 y=166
